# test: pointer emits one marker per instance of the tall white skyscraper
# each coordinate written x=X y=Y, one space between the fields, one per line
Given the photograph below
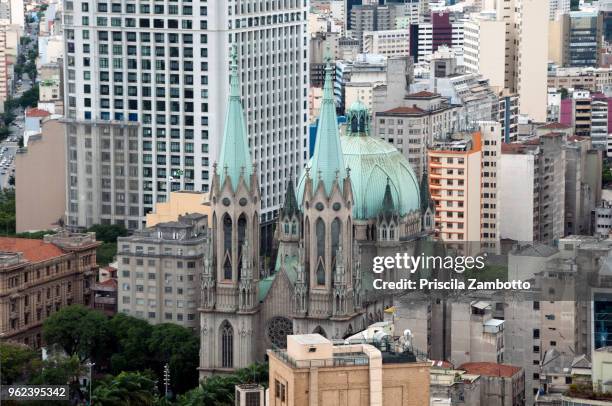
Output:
x=145 y=91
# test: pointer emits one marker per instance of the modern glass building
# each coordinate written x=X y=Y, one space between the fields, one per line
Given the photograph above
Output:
x=584 y=38
x=602 y=320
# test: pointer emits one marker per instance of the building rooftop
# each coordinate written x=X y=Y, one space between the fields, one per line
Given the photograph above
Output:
x=310 y=339
x=490 y=369
x=556 y=126
x=405 y=110
x=422 y=95
x=34 y=112
x=534 y=250
x=32 y=250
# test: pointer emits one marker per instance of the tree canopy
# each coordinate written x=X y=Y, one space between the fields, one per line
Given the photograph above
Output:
x=127 y=388
x=79 y=331
x=108 y=232
x=126 y=344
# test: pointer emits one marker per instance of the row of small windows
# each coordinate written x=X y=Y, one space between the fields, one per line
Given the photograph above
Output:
x=167 y=316
x=172 y=9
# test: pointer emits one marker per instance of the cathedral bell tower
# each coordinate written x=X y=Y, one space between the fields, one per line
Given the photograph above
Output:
x=327 y=202
x=235 y=202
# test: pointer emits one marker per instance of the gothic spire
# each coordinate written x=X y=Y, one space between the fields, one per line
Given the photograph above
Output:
x=235 y=159
x=388 y=207
x=426 y=201
x=290 y=206
x=327 y=159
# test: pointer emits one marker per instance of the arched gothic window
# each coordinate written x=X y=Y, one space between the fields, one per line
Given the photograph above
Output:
x=336 y=235
x=227 y=247
x=320 y=230
x=227 y=345
x=242 y=224
x=319 y=330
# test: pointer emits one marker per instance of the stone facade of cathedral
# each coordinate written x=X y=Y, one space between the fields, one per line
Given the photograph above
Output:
x=357 y=198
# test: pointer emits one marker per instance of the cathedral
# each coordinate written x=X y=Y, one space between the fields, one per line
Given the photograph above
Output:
x=357 y=198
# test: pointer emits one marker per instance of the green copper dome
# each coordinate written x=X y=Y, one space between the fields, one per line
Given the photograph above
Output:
x=374 y=164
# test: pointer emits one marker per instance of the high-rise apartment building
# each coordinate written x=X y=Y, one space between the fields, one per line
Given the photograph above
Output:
x=12 y=13
x=441 y=30
x=532 y=188
x=588 y=114
x=463 y=183
x=526 y=53
x=370 y=18
x=484 y=47
x=145 y=92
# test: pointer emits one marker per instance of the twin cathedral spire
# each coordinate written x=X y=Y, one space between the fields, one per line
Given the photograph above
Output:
x=318 y=222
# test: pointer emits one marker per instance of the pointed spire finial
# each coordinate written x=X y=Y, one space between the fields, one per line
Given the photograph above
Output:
x=327 y=55
x=234 y=80
x=290 y=205
x=235 y=157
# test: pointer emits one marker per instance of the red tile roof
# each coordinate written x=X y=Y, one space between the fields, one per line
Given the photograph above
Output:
x=32 y=250
x=423 y=94
x=34 y=112
x=512 y=148
x=405 y=110
x=490 y=369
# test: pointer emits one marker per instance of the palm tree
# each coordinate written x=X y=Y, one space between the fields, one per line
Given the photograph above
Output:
x=127 y=388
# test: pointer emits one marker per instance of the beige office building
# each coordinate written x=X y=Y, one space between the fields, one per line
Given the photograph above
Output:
x=484 y=43
x=526 y=53
x=414 y=125
x=180 y=203
x=41 y=170
x=313 y=371
x=159 y=271
x=387 y=42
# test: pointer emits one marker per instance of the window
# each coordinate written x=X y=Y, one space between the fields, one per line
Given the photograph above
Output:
x=320 y=270
x=227 y=345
